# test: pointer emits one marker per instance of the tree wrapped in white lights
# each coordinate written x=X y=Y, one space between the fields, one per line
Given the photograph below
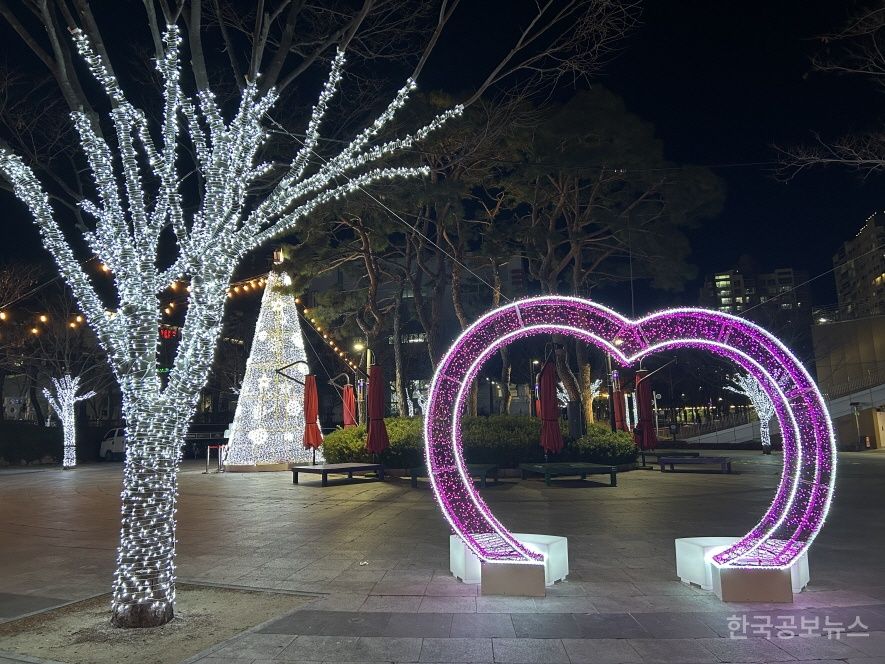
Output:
x=63 y=400
x=268 y=426
x=749 y=387
x=140 y=203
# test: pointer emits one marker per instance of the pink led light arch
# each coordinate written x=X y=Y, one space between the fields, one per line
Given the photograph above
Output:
x=802 y=498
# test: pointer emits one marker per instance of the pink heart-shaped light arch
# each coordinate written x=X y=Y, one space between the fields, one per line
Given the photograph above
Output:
x=806 y=487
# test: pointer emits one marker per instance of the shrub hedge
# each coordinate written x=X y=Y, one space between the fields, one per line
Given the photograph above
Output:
x=506 y=440
x=602 y=445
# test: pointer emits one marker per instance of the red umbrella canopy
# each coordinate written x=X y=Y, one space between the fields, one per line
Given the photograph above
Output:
x=648 y=436
x=551 y=436
x=313 y=436
x=377 y=440
x=618 y=405
x=349 y=405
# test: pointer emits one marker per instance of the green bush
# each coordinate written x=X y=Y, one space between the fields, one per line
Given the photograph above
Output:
x=507 y=440
x=405 y=451
x=602 y=445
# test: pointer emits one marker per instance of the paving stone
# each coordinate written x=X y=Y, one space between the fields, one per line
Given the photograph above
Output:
x=673 y=625
x=329 y=623
x=491 y=604
x=421 y=625
x=564 y=605
x=391 y=603
x=448 y=605
x=457 y=650
x=609 y=626
x=14 y=604
x=545 y=626
x=482 y=624
x=600 y=651
x=529 y=651
x=255 y=646
x=816 y=647
x=352 y=649
x=745 y=650
x=665 y=651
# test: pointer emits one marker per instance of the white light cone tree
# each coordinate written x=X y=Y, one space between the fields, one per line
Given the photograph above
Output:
x=749 y=387
x=139 y=179
x=63 y=400
x=268 y=425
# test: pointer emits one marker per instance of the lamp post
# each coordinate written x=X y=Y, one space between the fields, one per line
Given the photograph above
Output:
x=532 y=386
x=361 y=395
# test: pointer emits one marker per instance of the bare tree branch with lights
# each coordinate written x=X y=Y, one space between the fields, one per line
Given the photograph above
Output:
x=63 y=398
x=749 y=387
x=139 y=185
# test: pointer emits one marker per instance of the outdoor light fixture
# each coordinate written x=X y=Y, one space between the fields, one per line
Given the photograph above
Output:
x=802 y=499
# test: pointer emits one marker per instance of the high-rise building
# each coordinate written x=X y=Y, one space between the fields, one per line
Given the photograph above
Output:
x=860 y=271
x=738 y=292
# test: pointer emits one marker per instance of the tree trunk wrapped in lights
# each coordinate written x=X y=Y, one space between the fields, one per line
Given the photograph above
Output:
x=749 y=387
x=63 y=400
x=132 y=214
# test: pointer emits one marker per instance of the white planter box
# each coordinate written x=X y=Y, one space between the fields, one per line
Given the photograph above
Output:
x=466 y=566
x=694 y=562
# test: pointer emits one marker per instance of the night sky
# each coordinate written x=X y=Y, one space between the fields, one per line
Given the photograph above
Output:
x=721 y=81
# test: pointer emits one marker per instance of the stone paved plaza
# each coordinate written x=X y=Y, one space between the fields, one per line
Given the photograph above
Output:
x=376 y=557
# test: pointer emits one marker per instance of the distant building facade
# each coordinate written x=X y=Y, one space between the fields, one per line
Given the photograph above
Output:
x=778 y=300
x=859 y=269
x=736 y=292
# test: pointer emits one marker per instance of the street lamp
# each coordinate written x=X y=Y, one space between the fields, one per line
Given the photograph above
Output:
x=532 y=396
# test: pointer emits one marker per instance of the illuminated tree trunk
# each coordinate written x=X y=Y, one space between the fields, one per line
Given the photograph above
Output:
x=144 y=584
x=765 y=434
x=63 y=400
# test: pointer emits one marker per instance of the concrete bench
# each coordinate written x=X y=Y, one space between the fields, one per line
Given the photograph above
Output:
x=481 y=470
x=327 y=469
x=551 y=470
x=672 y=461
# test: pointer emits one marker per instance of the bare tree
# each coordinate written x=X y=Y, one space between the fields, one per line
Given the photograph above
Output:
x=857 y=49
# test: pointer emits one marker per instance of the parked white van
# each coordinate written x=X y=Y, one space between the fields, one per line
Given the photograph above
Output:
x=112 y=445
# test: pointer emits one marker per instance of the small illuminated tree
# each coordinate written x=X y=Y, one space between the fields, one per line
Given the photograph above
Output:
x=63 y=400
x=140 y=205
x=749 y=387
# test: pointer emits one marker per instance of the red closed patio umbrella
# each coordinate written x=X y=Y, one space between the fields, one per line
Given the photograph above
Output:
x=377 y=440
x=551 y=435
x=313 y=436
x=648 y=438
x=348 y=400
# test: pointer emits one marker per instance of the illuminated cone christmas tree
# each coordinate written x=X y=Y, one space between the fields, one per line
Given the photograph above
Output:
x=268 y=426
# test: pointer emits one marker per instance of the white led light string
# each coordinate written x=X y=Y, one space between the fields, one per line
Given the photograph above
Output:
x=131 y=213
x=63 y=400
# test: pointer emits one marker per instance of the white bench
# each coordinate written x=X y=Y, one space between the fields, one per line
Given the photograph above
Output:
x=465 y=566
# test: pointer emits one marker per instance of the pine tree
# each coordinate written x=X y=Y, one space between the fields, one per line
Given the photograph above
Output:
x=268 y=426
